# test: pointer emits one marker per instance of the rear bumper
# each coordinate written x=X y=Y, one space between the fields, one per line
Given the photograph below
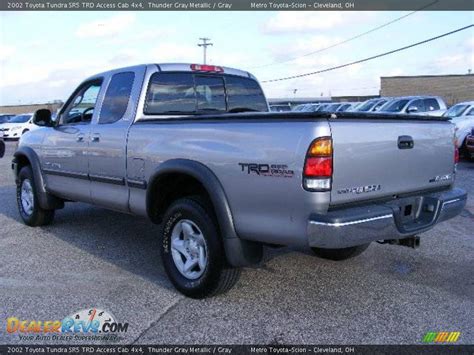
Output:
x=352 y=226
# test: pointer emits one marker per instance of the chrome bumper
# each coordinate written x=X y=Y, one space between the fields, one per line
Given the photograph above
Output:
x=352 y=226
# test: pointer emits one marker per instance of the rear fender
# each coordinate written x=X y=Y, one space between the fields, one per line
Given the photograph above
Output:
x=239 y=252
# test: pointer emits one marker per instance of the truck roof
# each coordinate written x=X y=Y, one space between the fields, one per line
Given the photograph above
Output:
x=182 y=67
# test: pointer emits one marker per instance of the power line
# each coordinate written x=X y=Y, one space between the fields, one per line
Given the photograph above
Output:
x=349 y=39
x=370 y=58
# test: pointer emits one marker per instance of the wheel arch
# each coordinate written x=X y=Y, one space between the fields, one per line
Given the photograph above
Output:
x=25 y=156
x=183 y=177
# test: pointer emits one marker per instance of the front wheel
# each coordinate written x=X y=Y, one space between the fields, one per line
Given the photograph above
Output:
x=27 y=200
x=192 y=251
x=340 y=254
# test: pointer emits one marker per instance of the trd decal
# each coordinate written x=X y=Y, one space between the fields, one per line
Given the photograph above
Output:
x=275 y=170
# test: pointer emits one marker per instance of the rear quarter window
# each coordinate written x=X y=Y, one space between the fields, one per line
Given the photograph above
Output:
x=116 y=98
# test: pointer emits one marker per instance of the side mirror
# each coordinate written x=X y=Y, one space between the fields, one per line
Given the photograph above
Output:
x=412 y=109
x=43 y=118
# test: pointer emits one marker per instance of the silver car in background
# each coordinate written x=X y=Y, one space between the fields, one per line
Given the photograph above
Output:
x=462 y=115
x=348 y=106
x=426 y=105
x=371 y=105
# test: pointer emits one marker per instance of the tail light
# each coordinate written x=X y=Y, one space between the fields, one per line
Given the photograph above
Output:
x=456 y=155
x=317 y=172
x=206 y=68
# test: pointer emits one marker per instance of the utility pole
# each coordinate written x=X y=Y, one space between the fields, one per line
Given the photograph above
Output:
x=204 y=44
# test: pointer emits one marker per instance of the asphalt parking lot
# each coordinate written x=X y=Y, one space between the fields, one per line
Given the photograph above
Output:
x=91 y=257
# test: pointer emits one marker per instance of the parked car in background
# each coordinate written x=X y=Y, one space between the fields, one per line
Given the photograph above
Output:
x=4 y=118
x=299 y=108
x=347 y=106
x=333 y=107
x=280 y=108
x=462 y=115
x=17 y=126
x=470 y=145
x=427 y=105
x=311 y=107
x=371 y=105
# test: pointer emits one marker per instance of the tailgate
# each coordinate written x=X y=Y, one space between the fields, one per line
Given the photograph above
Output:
x=374 y=158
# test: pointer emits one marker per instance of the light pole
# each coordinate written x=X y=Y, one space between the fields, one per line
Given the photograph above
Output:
x=204 y=44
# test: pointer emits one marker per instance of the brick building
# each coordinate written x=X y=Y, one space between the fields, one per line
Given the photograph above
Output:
x=452 y=88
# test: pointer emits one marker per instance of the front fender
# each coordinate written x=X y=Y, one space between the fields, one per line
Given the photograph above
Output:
x=26 y=155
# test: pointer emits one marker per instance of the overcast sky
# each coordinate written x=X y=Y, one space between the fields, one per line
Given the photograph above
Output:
x=45 y=55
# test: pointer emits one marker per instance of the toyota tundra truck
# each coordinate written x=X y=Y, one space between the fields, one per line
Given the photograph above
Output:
x=195 y=149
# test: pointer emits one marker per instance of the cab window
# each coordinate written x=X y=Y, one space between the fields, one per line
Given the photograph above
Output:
x=210 y=94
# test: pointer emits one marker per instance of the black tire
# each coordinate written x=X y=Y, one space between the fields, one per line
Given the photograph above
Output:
x=2 y=148
x=217 y=276
x=36 y=216
x=340 y=254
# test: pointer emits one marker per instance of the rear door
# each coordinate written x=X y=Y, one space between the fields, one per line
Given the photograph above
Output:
x=108 y=139
x=383 y=158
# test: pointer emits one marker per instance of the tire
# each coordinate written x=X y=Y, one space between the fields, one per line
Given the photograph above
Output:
x=2 y=148
x=27 y=200
x=189 y=231
x=340 y=254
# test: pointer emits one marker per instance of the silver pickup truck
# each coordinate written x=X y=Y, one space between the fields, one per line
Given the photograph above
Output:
x=194 y=149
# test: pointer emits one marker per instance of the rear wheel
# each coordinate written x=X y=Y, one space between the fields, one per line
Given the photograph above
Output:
x=27 y=200
x=340 y=254
x=192 y=251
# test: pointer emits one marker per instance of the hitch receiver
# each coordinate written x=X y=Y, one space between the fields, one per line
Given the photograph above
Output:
x=411 y=242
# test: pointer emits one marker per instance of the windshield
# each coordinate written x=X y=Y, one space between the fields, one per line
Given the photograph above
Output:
x=456 y=111
x=20 y=119
x=299 y=108
x=189 y=93
x=395 y=106
x=366 y=106
x=5 y=118
x=332 y=108
x=379 y=105
x=321 y=108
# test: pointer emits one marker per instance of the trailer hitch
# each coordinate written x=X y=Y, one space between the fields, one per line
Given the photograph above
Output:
x=411 y=242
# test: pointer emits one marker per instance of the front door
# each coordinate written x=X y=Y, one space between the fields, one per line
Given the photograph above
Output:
x=64 y=152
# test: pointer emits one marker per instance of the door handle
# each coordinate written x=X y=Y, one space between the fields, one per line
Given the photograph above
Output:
x=405 y=142
x=80 y=137
x=96 y=137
